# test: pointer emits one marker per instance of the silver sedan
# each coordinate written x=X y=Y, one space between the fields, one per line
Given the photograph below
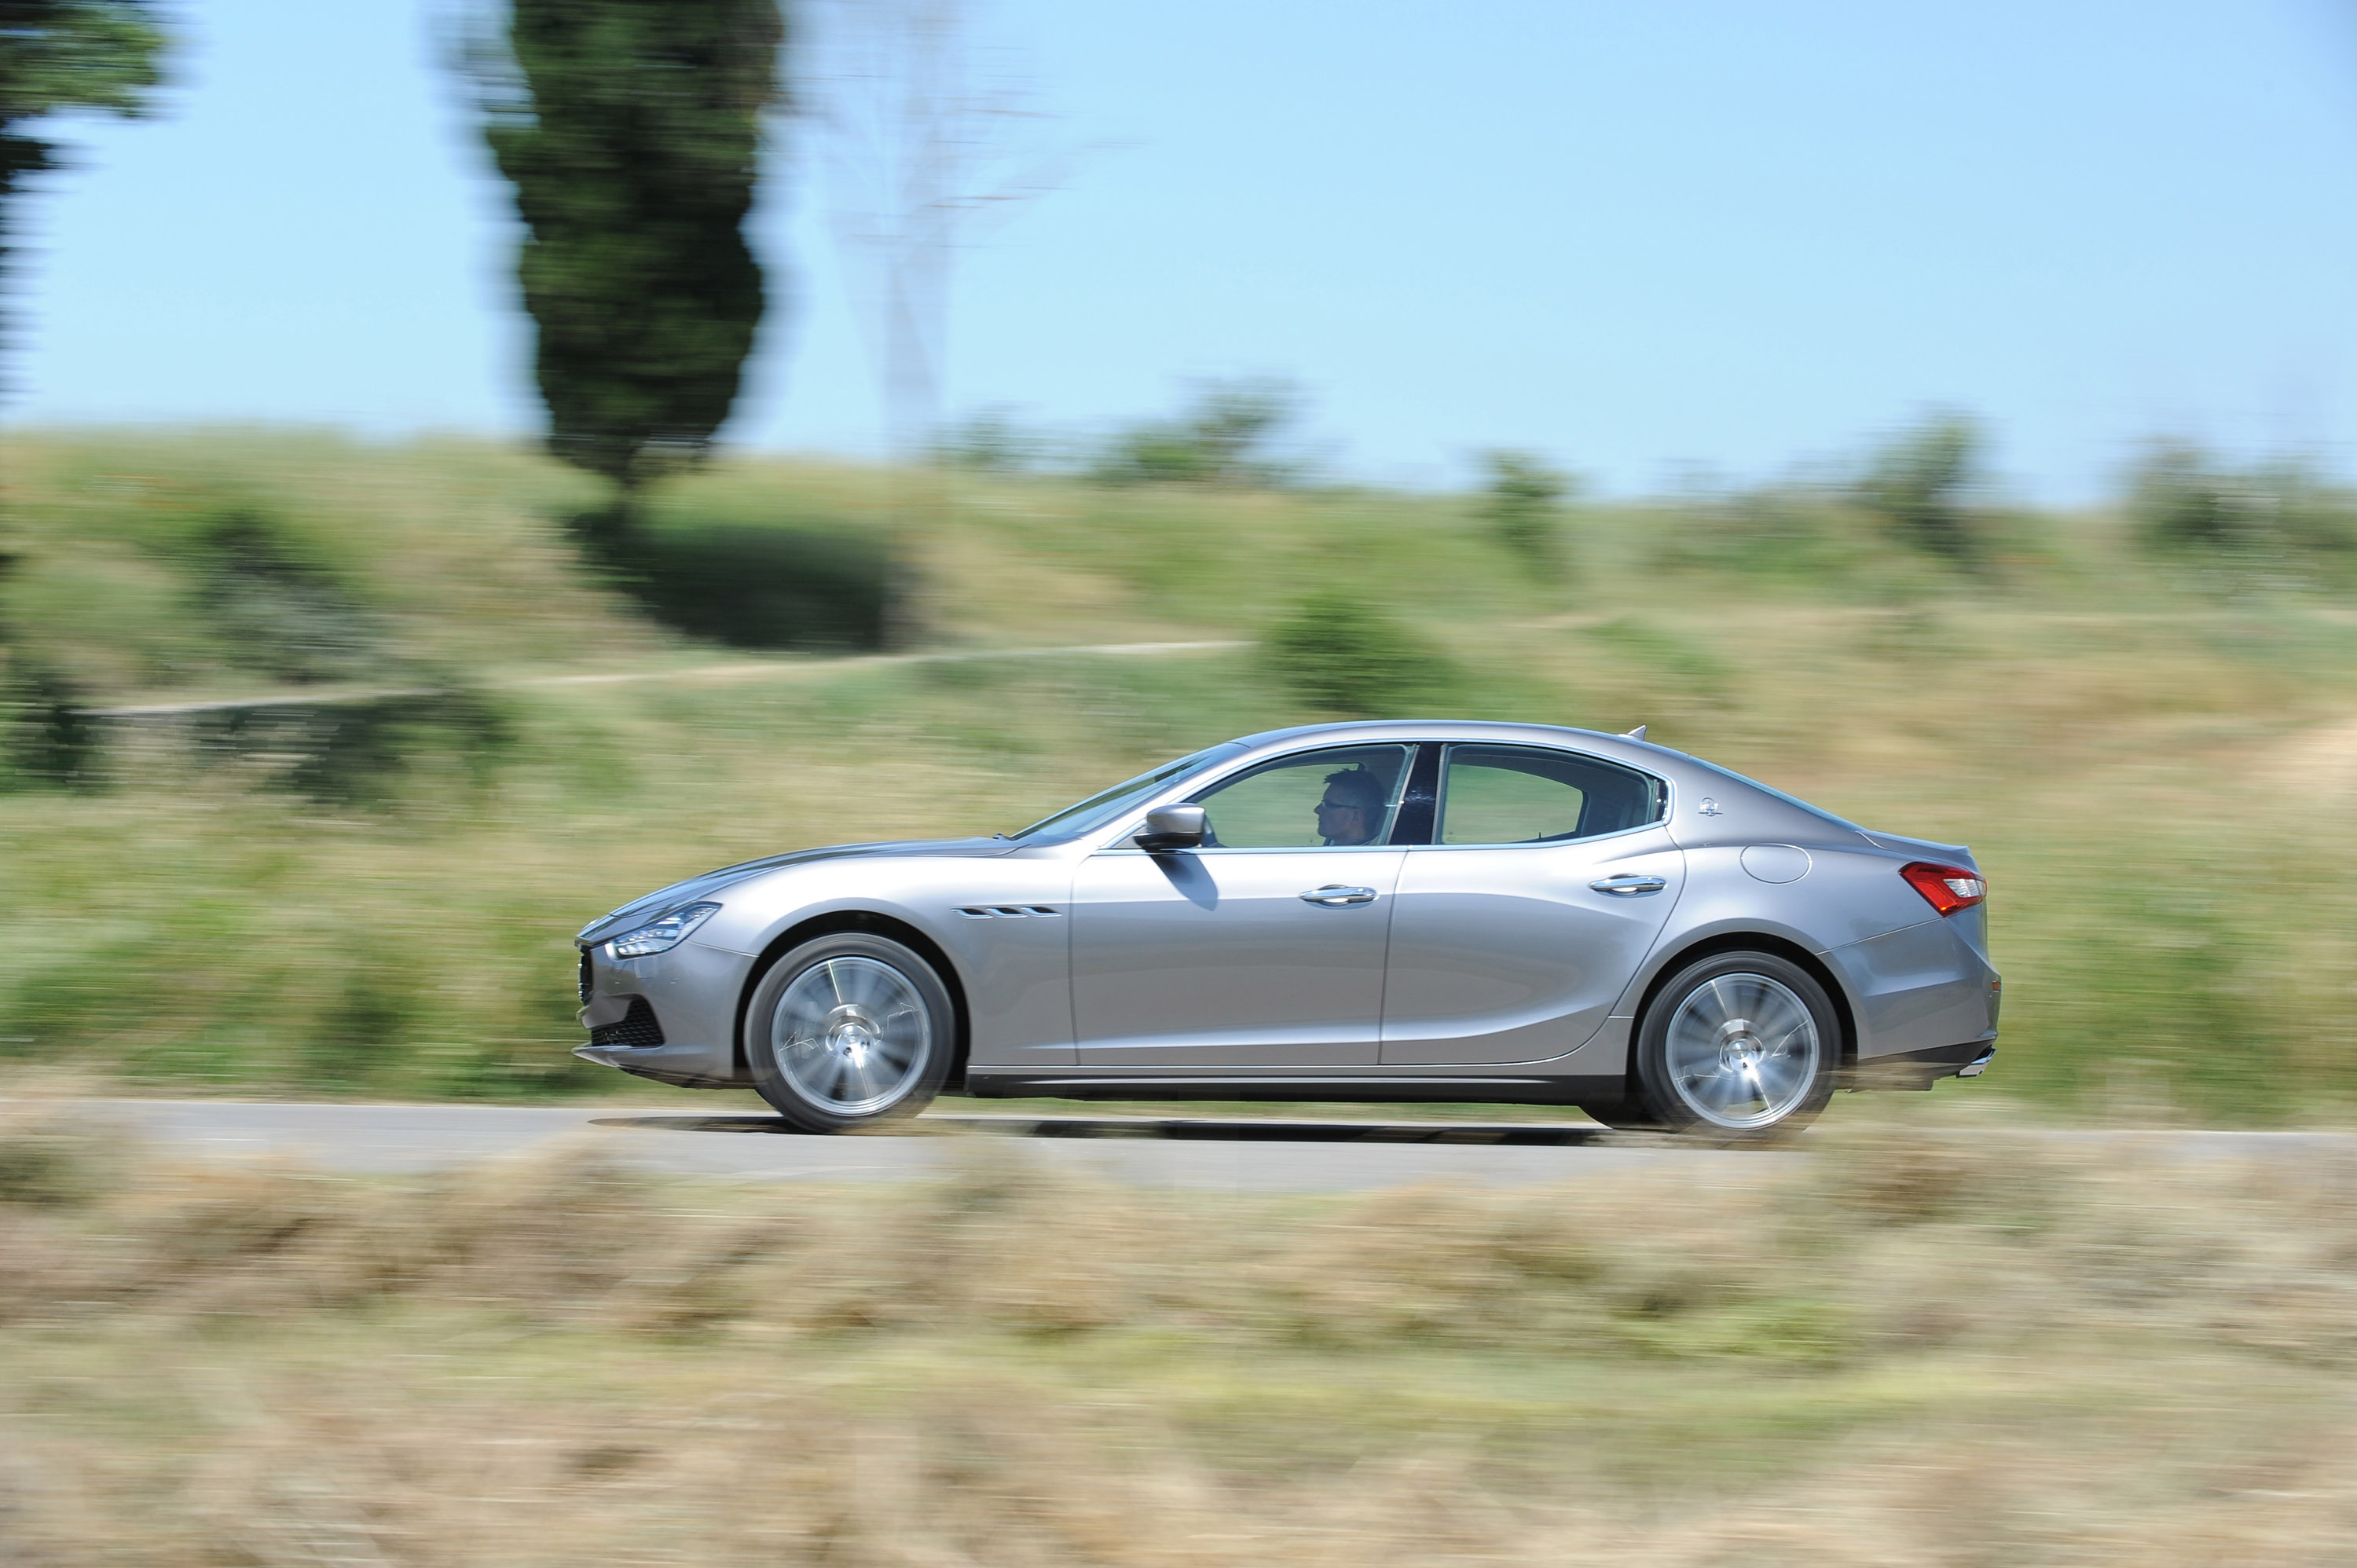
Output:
x=1489 y=912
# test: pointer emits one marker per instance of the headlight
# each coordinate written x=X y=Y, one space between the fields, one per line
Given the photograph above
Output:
x=662 y=936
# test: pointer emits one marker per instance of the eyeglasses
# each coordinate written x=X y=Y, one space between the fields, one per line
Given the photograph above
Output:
x=1338 y=806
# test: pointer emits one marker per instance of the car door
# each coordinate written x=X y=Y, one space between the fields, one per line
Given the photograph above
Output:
x=1548 y=878
x=1263 y=948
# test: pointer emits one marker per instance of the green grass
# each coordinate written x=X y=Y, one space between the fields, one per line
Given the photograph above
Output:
x=2154 y=764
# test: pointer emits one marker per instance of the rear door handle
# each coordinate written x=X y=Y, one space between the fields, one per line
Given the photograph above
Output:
x=1334 y=895
x=1627 y=885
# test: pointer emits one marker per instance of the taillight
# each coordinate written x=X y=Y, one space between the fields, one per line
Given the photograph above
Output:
x=1946 y=888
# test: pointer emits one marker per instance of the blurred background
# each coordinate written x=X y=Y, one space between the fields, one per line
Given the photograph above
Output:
x=465 y=465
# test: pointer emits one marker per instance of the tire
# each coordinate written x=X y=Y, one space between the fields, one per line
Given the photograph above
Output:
x=1739 y=1048
x=848 y=1031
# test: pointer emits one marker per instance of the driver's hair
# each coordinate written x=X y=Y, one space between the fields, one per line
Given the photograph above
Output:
x=1359 y=788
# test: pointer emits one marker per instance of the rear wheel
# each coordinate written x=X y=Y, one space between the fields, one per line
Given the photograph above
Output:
x=848 y=1030
x=1740 y=1047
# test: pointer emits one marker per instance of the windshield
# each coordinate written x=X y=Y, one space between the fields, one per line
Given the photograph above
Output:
x=1793 y=800
x=1098 y=810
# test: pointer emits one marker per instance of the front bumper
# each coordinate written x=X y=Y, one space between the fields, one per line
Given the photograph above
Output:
x=670 y=1016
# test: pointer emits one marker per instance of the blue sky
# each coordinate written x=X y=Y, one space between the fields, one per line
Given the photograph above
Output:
x=1634 y=237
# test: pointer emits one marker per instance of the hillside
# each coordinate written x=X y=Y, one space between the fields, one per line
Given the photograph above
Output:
x=2153 y=760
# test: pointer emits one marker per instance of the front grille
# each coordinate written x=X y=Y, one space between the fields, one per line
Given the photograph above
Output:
x=587 y=981
x=637 y=1029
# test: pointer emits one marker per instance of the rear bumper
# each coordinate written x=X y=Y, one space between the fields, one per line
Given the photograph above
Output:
x=1923 y=1069
x=1915 y=990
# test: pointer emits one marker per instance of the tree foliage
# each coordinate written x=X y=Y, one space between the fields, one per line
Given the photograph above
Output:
x=631 y=131
x=55 y=55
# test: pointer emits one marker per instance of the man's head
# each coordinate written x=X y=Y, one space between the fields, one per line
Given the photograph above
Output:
x=1353 y=809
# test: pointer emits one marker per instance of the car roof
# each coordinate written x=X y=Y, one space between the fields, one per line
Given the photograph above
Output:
x=1620 y=746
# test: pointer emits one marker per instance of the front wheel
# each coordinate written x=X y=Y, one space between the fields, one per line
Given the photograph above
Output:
x=1738 y=1046
x=848 y=1030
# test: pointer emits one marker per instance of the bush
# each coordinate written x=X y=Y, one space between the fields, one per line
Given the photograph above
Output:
x=2177 y=500
x=1228 y=438
x=276 y=611
x=1340 y=654
x=991 y=441
x=1920 y=484
x=1523 y=504
x=2182 y=500
x=360 y=752
x=45 y=738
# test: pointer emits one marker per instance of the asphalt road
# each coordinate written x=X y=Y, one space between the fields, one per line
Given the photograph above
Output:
x=1269 y=1154
x=1264 y=1154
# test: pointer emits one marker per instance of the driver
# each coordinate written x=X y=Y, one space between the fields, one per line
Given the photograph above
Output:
x=1353 y=809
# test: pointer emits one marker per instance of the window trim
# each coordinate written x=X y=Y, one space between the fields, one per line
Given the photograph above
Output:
x=1417 y=824
x=1440 y=797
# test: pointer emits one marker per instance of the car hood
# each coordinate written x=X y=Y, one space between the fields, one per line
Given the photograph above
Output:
x=639 y=910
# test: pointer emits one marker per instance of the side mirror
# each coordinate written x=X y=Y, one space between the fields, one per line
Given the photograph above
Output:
x=1172 y=827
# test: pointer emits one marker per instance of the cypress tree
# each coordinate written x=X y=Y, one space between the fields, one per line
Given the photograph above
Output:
x=631 y=132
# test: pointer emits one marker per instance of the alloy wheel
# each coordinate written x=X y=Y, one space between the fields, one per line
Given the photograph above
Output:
x=851 y=1034
x=1742 y=1051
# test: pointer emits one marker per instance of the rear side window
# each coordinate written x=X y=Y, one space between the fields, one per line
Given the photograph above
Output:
x=1523 y=794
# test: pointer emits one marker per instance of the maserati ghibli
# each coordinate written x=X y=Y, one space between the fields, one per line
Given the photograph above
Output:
x=1384 y=911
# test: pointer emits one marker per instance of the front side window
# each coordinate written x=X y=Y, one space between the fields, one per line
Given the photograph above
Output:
x=1337 y=799
x=1101 y=809
x=1520 y=794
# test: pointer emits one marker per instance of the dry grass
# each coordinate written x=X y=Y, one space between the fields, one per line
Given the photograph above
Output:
x=1917 y=1345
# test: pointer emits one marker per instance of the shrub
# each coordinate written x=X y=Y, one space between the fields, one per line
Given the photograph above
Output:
x=2182 y=500
x=1523 y=504
x=276 y=611
x=991 y=441
x=1229 y=438
x=1920 y=483
x=1340 y=654
x=2177 y=500
x=358 y=753
x=45 y=738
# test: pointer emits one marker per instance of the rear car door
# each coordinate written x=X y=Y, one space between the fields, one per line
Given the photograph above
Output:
x=1263 y=948
x=1548 y=878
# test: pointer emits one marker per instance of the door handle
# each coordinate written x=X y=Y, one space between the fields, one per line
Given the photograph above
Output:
x=1334 y=895
x=1627 y=885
